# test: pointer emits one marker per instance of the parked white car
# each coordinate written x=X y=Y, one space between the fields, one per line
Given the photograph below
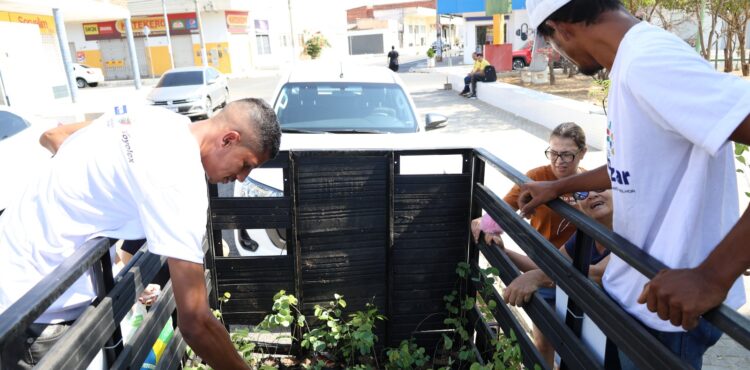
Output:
x=192 y=91
x=21 y=153
x=87 y=75
x=339 y=103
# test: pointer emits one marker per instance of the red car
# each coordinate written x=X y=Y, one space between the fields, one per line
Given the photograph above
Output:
x=522 y=57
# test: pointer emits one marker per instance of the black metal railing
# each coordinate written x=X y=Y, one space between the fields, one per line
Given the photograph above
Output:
x=622 y=329
x=98 y=327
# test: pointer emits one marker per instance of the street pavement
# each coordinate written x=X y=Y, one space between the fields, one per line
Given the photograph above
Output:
x=520 y=143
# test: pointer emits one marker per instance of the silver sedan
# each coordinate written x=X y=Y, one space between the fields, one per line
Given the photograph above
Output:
x=192 y=91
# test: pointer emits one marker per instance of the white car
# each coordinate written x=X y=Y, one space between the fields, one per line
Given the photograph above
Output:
x=326 y=98
x=343 y=105
x=87 y=76
x=21 y=153
x=192 y=91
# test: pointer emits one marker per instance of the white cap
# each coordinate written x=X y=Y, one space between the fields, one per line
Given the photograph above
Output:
x=539 y=10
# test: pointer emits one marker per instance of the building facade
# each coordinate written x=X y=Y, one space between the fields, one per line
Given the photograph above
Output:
x=32 y=72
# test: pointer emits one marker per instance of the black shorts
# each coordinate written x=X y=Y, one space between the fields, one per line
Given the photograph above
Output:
x=132 y=246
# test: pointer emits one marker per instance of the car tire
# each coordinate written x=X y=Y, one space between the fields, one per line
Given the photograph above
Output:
x=94 y=84
x=278 y=237
x=81 y=83
x=208 y=105
x=518 y=64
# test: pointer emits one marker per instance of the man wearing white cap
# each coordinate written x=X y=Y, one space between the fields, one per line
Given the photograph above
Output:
x=670 y=165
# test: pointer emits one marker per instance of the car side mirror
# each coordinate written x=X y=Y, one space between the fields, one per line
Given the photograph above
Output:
x=433 y=121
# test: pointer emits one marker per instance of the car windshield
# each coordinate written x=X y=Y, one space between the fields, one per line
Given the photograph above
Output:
x=186 y=78
x=11 y=124
x=344 y=107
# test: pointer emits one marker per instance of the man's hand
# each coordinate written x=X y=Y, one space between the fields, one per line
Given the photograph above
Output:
x=682 y=295
x=523 y=287
x=534 y=194
x=205 y=335
x=150 y=294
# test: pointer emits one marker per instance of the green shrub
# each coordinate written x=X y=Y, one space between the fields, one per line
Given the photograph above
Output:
x=315 y=44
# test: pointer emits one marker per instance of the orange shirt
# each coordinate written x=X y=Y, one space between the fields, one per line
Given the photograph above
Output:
x=548 y=223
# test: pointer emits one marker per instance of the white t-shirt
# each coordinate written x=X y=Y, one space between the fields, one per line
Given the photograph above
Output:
x=671 y=166
x=129 y=176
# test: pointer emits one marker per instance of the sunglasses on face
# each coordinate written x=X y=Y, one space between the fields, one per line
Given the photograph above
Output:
x=566 y=157
x=582 y=195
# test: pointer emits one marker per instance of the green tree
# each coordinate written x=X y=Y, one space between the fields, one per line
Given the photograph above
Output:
x=315 y=44
x=736 y=15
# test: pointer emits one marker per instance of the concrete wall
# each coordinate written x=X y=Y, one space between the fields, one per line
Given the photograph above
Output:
x=26 y=74
x=543 y=109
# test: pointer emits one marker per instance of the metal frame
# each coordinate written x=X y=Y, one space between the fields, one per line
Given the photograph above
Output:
x=625 y=331
x=99 y=323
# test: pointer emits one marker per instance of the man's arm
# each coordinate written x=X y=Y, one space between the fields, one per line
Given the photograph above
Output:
x=534 y=194
x=53 y=138
x=200 y=329
x=682 y=295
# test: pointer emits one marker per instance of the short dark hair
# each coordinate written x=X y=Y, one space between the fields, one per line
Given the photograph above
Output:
x=263 y=122
x=570 y=130
x=479 y=54
x=587 y=11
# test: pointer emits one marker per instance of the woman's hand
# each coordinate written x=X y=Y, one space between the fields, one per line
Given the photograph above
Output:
x=521 y=289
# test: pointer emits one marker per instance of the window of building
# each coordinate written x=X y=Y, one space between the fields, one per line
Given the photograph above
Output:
x=262 y=40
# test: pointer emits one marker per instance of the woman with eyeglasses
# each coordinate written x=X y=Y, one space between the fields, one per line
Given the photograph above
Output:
x=567 y=146
x=595 y=204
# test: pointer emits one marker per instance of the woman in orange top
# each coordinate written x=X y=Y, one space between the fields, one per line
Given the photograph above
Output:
x=567 y=146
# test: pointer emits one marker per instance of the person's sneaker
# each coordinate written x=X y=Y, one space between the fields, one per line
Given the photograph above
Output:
x=472 y=96
x=464 y=93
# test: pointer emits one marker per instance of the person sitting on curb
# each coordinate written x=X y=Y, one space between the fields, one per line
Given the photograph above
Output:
x=467 y=80
x=479 y=74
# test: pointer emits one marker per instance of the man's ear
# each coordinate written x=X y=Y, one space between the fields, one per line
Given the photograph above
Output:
x=564 y=30
x=230 y=138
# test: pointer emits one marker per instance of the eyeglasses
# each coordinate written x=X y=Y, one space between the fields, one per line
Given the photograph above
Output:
x=582 y=195
x=566 y=157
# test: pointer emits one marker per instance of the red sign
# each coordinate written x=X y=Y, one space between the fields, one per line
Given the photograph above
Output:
x=236 y=21
x=179 y=24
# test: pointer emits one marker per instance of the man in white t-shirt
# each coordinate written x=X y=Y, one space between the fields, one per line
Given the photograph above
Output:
x=670 y=164
x=138 y=173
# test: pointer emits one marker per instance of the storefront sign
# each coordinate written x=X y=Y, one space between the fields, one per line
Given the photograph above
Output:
x=180 y=24
x=46 y=23
x=236 y=21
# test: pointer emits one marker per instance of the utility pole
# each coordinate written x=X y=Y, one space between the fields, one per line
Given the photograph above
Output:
x=439 y=51
x=166 y=28
x=133 y=56
x=204 y=58
x=62 y=40
x=291 y=28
